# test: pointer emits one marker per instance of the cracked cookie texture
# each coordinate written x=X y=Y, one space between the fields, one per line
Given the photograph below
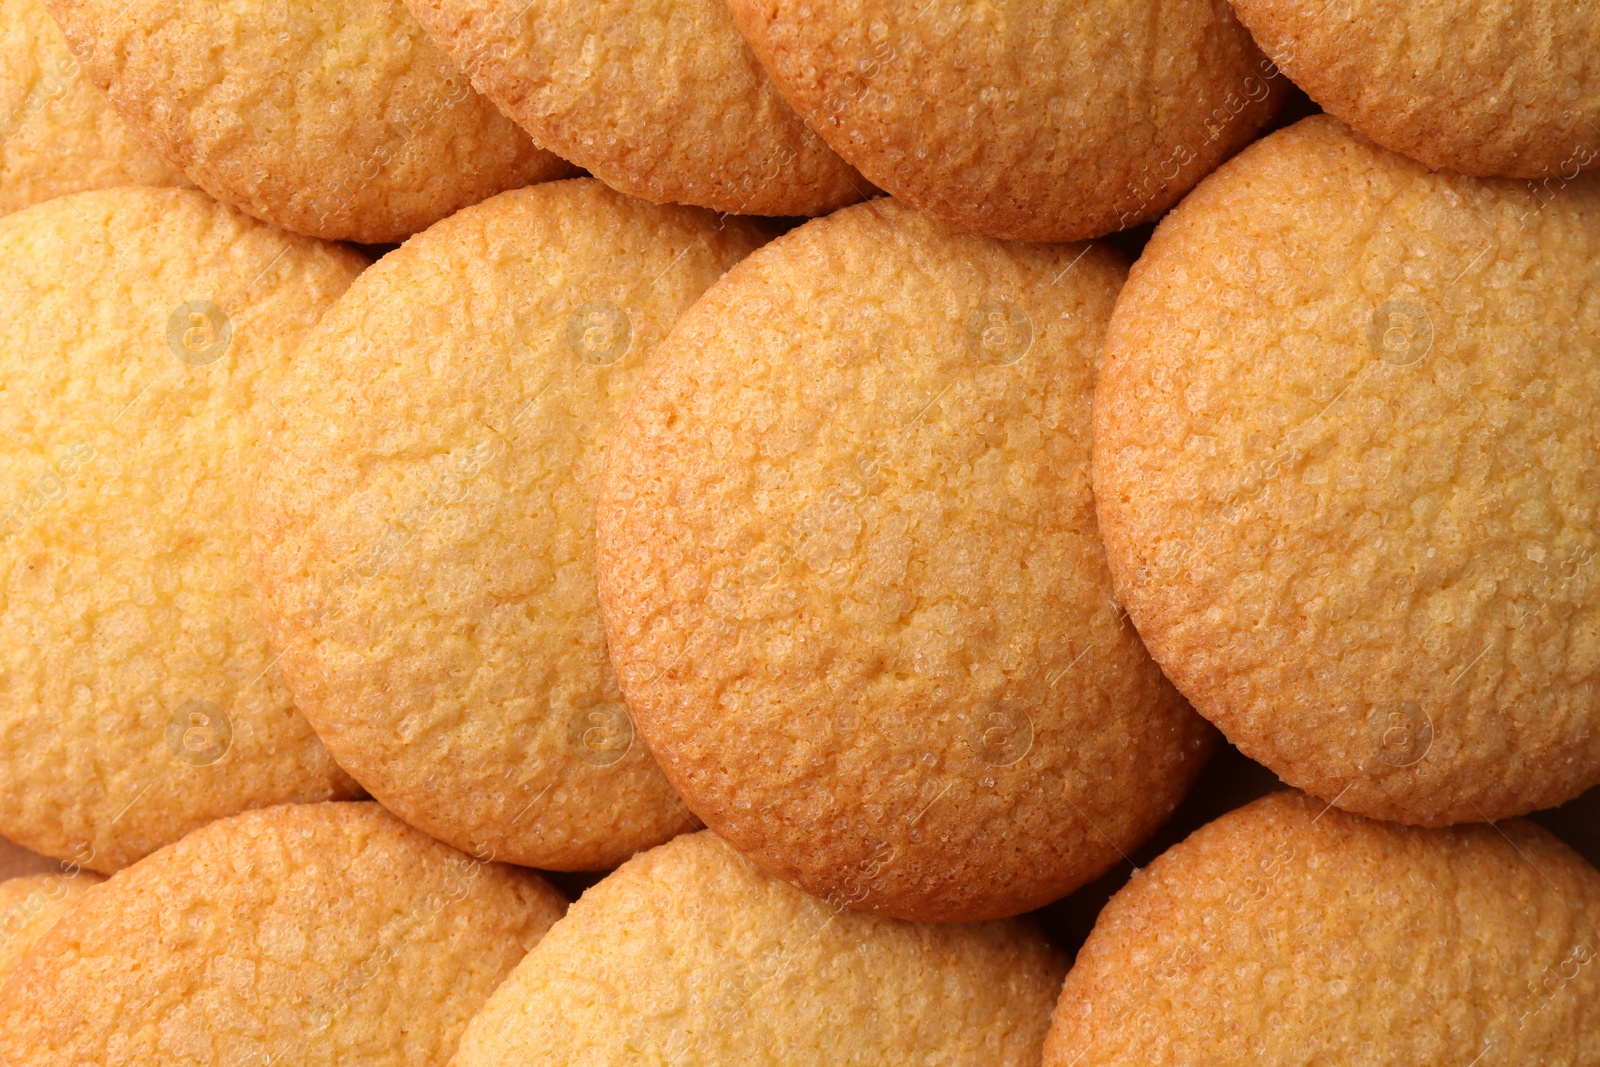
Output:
x=661 y=99
x=140 y=699
x=1347 y=473
x=423 y=526
x=1508 y=89
x=1028 y=120
x=689 y=953
x=1289 y=932
x=851 y=579
x=339 y=120
x=313 y=934
x=58 y=133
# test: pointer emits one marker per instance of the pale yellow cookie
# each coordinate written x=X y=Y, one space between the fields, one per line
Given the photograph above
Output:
x=140 y=698
x=337 y=119
x=1345 y=463
x=691 y=954
x=1291 y=934
x=423 y=526
x=660 y=99
x=58 y=133
x=30 y=905
x=1509 y=88
x=1029 y=120
x=851 y=578
x=319 y=935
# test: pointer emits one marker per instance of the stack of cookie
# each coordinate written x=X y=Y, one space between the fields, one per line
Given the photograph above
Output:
x=842 y=487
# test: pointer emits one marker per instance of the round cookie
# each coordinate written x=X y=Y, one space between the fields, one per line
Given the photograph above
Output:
x=313 y=934
x=1028 y=120
x=1509 y=89
x=1288 y=932
x=661 y=100
x=58 y=133
x=851 y=581
x=337 y=119
x=30 y=905
x=691 y=954
x=140 y=699
x=1345 y=469
x=424 y=523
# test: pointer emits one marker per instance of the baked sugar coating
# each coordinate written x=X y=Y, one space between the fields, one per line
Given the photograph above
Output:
x=662 y=100
x=1028 y=120
x=315 y=934
x=851 y=578
x=1506 y=89
x=1289 y=932
x=31 y=905
x=140 y=699
x=1345 y=466
x=58 y=133
x=423 y=526
x=691 y=954
x=336 y=119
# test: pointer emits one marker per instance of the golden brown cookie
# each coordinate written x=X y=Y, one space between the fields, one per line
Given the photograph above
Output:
x=140 y=699
x=1289 y=932
x=30 y=905
x=691 y=954
x=1510 y=89
x=58 y=133
x=660 y=99
x=1029 y=120
x=311 y=934
x=1345 y=467
x=424 y=522
x=338 y=119
x=851 y=579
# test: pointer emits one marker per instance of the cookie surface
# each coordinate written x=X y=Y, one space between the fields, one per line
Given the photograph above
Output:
x=1345 y=469
x=1029 y=120
x=315 y=934
x=423 y=526
x=662 y=100
x=1289 y=932
x=339 y=120
x=690 y=954
x=140 y=699
x=30 y=906
x=1509 y=89
x=58 y=133
x=851 y=579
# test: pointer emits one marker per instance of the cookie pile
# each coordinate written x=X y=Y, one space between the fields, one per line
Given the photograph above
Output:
x=841 y=488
